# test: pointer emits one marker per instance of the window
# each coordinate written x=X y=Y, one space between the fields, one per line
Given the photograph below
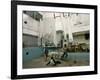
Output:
x=37 y=16
x=87 y=36
x=34 y=14
x=30 y=41
x=25 y=22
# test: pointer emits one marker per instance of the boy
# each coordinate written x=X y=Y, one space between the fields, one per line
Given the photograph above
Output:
x=52 y=62
x=65 y=54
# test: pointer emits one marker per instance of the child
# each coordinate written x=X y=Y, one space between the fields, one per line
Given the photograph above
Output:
x=52 y=62
x=65 y=54
x=46 y=53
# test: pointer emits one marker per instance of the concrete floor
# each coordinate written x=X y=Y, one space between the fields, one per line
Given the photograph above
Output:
x=72 y=60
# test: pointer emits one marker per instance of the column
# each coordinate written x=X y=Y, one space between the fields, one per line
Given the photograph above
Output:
x=70 y=25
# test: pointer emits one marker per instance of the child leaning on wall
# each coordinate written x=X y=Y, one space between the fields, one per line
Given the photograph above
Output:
x=65 y=54
x=46 y=53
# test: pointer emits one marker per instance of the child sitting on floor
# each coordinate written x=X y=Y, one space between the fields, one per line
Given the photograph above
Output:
x=53 y=62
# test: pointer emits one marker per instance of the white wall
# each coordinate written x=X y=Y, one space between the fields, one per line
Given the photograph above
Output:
x=85 y=26
x=69 y=23
x=48 y=26
x=44 y=28
x=32 y=26
x=5 y=41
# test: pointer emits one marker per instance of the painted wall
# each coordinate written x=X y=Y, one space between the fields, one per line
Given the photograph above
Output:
x=30 y=41
x=84 y=19
x=32 y=53
x=31 y=27
x=79 y=56
x=49 y=25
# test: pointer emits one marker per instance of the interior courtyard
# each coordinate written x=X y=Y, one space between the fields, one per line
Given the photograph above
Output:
x=52 y=31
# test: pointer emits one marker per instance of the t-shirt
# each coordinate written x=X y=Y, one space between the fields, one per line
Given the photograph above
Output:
x=65 y=49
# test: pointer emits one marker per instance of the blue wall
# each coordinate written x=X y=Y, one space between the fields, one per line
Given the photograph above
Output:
x=79 y=56
x=32 y=53
x=36 y=52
